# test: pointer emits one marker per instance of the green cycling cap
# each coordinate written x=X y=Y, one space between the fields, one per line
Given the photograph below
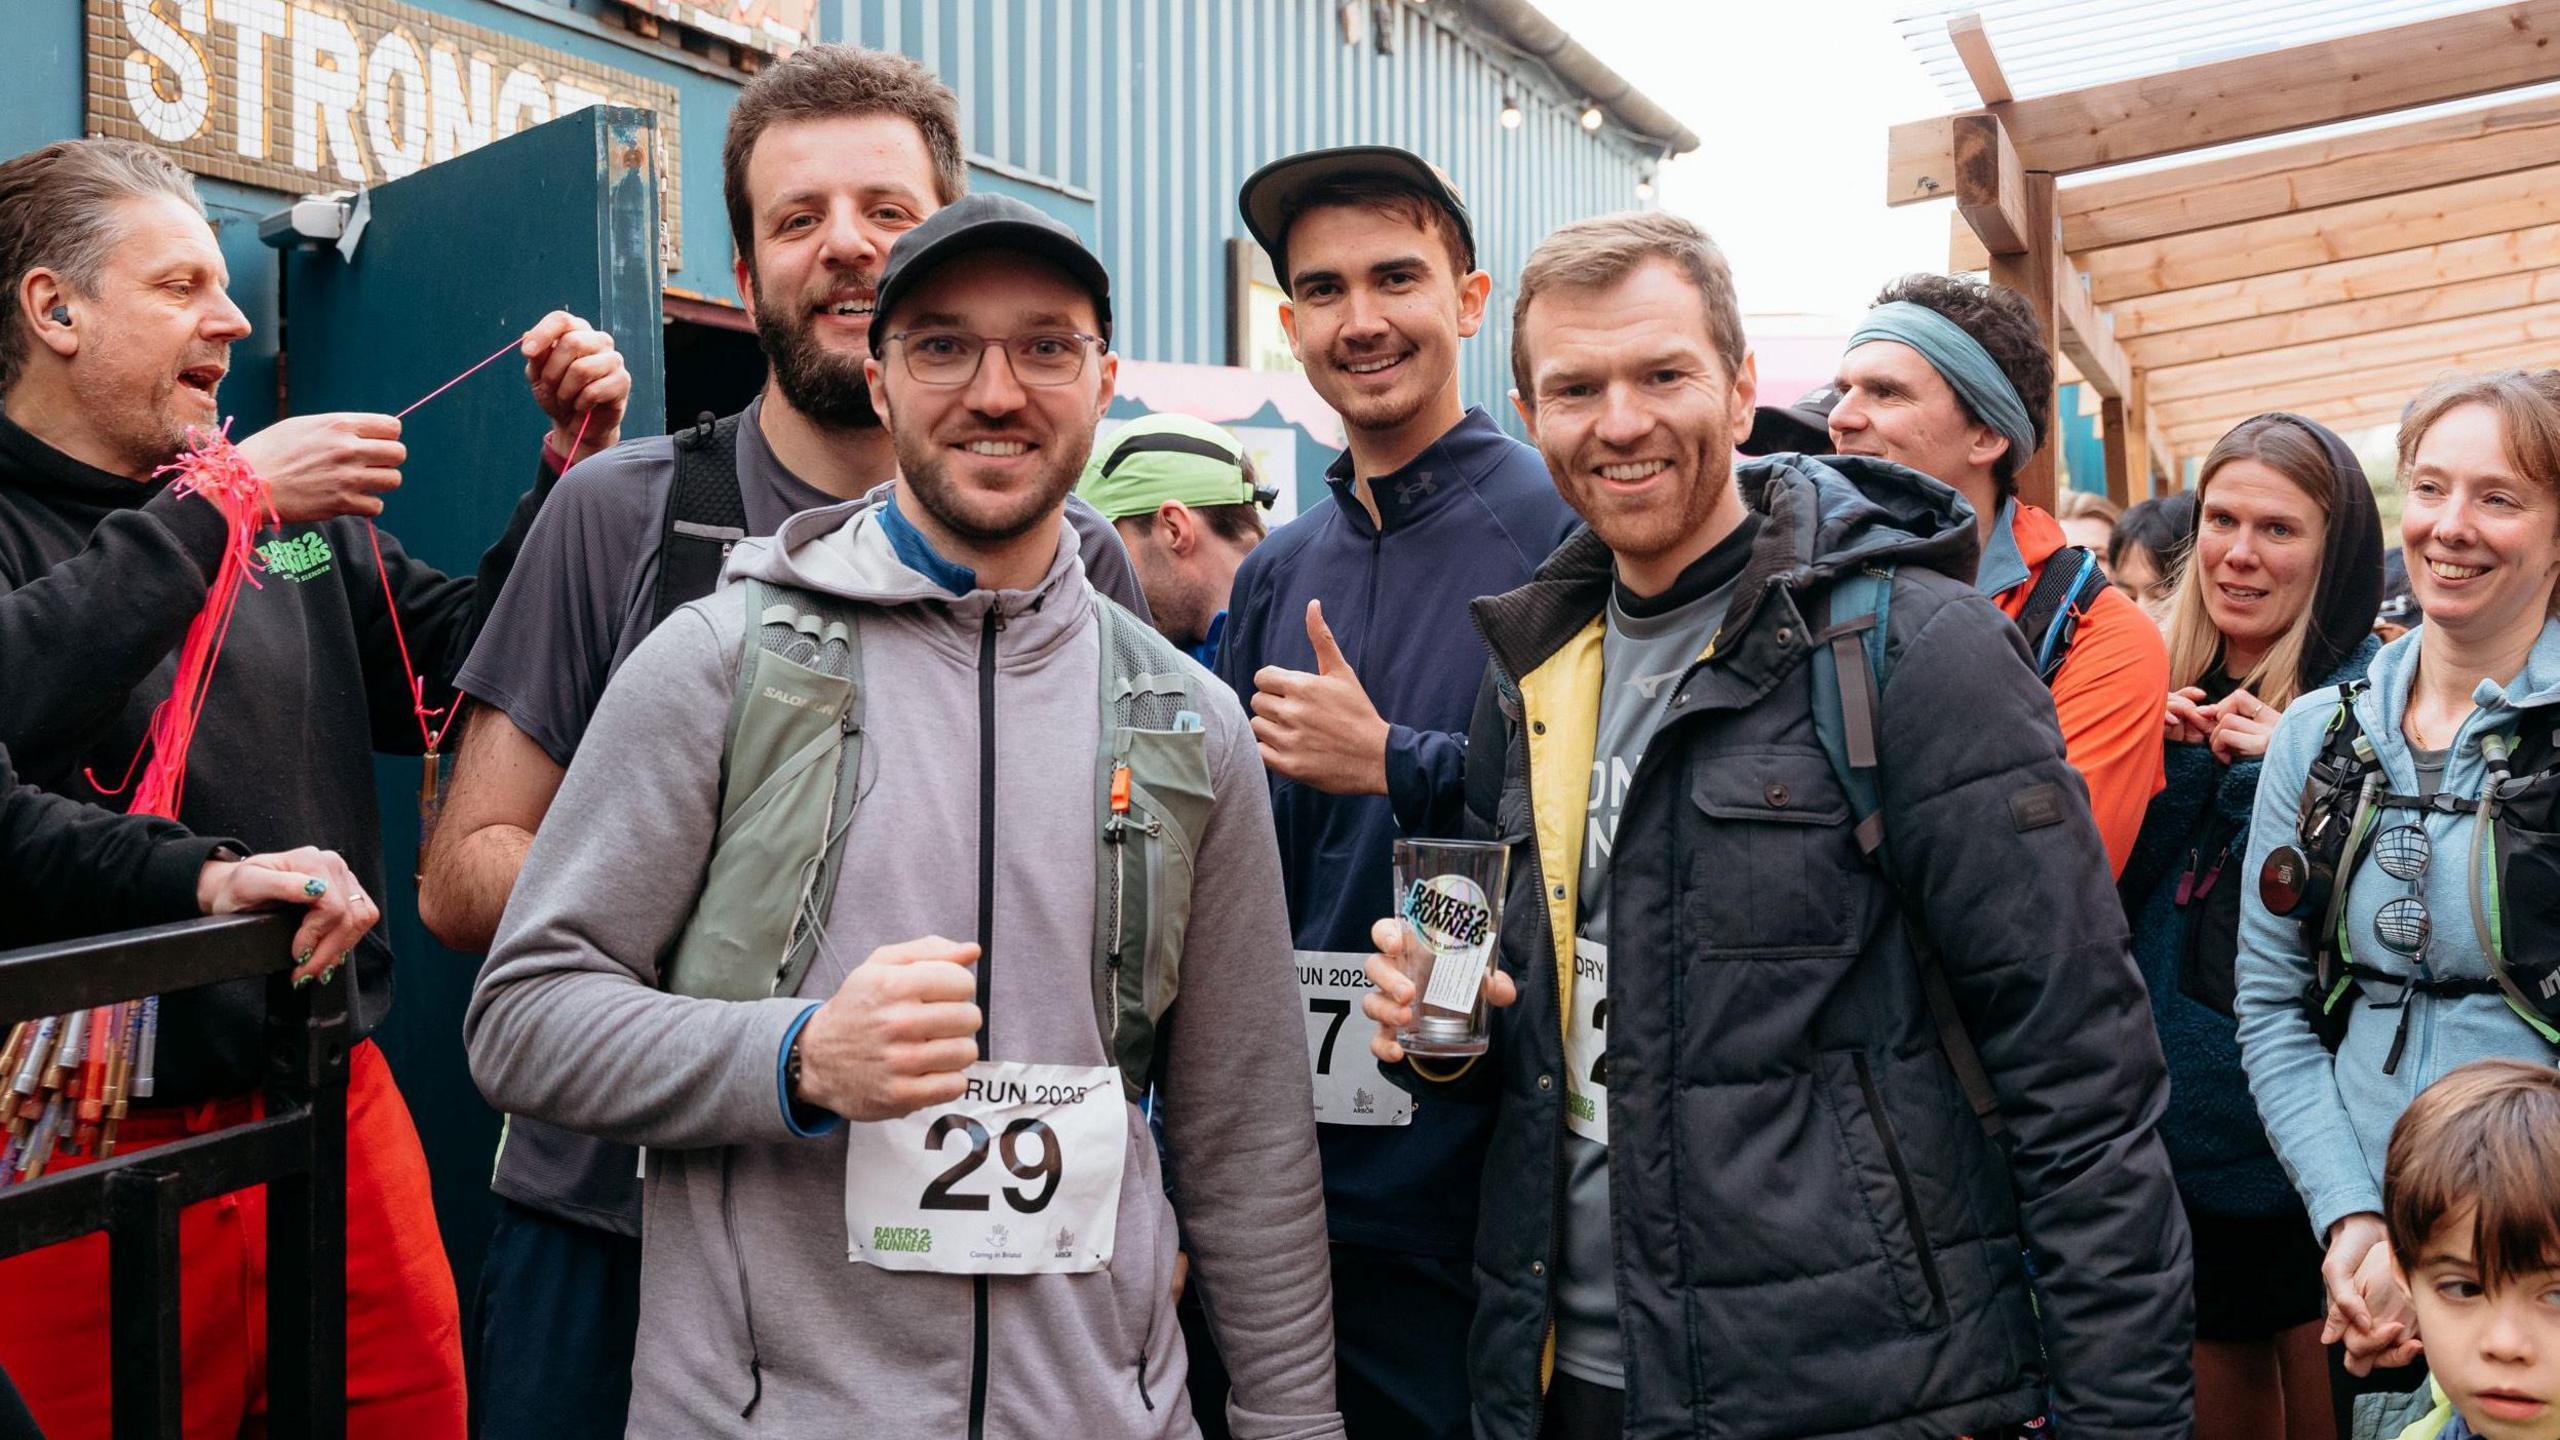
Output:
x=1163 y=457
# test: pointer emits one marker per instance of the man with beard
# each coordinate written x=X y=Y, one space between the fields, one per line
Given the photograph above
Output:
x=831 y=155
x=116 y=327
x=844 y=1107
x=1348 y=628
x=1735 y=1185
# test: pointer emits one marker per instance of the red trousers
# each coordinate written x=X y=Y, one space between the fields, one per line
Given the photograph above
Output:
x=404 y=1326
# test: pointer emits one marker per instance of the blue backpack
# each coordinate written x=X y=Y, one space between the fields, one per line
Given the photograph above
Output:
x=1850 y=669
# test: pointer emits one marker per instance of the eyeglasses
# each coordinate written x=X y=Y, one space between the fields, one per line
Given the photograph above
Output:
x=2402 y=923
x=950 y=357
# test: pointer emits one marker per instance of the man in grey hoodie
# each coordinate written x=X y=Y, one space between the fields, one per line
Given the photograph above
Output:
x=980 y=661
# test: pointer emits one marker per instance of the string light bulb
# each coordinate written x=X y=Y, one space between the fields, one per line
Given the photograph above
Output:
x=1644 y=188
x=1591 y=116
x=1511 y=116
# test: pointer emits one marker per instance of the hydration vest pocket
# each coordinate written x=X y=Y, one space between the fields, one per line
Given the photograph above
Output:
x=2523 y=911
x=757 y=889
x=1149 y=853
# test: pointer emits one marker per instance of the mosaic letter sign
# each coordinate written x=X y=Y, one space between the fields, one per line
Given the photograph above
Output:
x=317 y=95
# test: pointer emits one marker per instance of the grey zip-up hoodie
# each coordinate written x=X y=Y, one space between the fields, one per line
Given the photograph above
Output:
x=753 y=1322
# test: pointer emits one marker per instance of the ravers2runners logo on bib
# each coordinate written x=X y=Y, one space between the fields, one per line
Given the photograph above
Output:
x=299 y=558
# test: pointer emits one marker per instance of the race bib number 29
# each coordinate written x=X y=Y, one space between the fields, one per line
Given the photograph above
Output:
x=1349 y=1088
x=1019 y=1176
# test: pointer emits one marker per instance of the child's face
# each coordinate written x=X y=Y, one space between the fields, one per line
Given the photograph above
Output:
x=2497 y=1353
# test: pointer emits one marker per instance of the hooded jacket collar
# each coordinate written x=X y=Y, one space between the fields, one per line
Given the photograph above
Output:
x=1824 y=517
x=852 y=550
x=2349 y=593
x=2351 y=559
x=1433 y=480
x=2395 y=671
x=2022 y=538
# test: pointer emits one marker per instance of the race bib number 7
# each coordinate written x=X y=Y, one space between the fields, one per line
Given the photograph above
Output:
x=1349 y=1088
x=1019 y=1176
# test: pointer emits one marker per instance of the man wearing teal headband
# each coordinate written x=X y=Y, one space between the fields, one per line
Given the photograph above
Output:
x=1185 y=499
x=1950 y=377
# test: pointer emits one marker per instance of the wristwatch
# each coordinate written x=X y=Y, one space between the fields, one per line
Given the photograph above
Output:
x=791 y=1071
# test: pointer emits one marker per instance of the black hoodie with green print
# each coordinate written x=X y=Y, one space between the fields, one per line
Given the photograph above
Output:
x=100 y=576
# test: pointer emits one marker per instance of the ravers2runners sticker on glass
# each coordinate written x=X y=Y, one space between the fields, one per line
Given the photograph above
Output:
x=1450 y=898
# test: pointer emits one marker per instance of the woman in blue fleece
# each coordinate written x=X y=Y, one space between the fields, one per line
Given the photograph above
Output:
x=2480 y=464
x=2277 y=597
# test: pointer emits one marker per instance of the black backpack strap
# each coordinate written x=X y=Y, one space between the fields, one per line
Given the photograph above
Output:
x=2050 y=619
x=706 y=515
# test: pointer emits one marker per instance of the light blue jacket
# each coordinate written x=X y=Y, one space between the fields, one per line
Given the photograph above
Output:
x=2330 y=1120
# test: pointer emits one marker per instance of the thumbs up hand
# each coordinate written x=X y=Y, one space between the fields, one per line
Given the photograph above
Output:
x=1320 y=729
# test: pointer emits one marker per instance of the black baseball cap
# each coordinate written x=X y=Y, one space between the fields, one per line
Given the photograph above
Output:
x=1270 y=192
x=985 y=222
x=1803 y=428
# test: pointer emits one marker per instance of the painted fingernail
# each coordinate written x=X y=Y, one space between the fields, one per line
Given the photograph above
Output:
x=315 y=887
x=330 y=975
x=304 y=958
x=301 y=980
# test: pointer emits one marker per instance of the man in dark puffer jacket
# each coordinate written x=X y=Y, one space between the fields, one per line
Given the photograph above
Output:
x=1747 y=1197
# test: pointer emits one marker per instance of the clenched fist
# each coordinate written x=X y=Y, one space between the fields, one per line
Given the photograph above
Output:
x=896 y=1035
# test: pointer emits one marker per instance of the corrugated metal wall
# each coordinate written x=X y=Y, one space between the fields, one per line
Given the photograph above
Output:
x=1156 y=110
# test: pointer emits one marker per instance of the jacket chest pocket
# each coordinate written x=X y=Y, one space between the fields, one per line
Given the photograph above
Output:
x=1767 y=860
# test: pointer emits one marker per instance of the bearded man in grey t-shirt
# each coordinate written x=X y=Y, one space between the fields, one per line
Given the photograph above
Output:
x=831 y=156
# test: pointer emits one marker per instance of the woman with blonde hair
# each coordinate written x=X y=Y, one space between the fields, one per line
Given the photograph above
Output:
x=2403 y=911
x=2277 y=596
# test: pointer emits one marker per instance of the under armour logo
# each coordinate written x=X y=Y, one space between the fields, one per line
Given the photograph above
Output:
x=1422 y=483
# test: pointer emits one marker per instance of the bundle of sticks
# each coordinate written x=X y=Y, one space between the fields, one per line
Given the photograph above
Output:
x=68 y=1079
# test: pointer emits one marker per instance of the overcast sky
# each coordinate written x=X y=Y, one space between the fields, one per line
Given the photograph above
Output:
x=1791 y=100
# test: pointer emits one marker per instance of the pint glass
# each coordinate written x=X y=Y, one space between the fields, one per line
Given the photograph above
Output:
x=1449 y=896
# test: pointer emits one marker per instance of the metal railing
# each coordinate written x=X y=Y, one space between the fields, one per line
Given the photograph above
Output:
x=297 y=1149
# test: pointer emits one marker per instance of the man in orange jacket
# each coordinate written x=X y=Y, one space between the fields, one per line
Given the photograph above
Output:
x=1950 y=377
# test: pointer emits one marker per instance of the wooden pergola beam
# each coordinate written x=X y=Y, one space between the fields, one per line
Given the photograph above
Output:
x=2425 y=63
x=2380 y=386
x=2530 y=325
x=2088 y=337
x=2460 y=211
x=2032 y=273
x=2209 y=194
x=2423 y=267
x=2491 y=296
x=2164 y=454
x=1995 y=205
x=1973 y=47
x=1991 y=191
x=2125 y=431
x=2340 y=415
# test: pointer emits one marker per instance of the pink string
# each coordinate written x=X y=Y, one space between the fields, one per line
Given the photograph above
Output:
x=213 y=469
x=430 y=733
x=494 y=357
